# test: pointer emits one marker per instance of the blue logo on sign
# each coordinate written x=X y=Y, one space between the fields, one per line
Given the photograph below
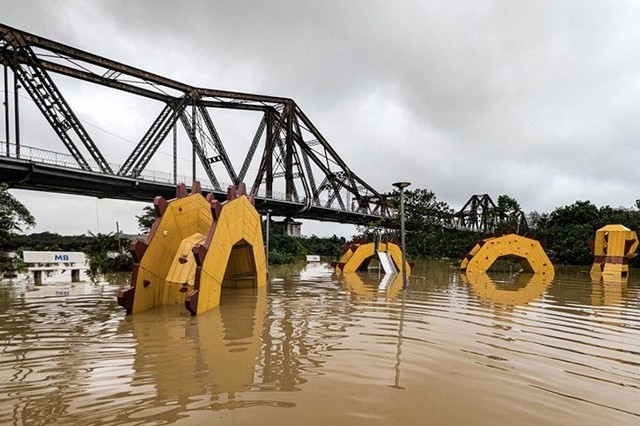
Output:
x=61 y=257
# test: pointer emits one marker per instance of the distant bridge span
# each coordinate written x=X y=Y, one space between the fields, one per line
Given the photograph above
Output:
x=289 y=166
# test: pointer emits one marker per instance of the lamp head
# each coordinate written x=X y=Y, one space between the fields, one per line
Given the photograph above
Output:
x=401 y=185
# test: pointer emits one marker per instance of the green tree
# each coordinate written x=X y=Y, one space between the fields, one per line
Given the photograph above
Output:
x=508 y=216
x=146 y=219
x=422 y=208
x=14 y=216
x=565 y=232
x=428 y=223
x=102 y=252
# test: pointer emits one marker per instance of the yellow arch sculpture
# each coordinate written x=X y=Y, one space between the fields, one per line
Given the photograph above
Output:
x=357 y=256
x=529 y=252
x=193 y=249
x=232 y=254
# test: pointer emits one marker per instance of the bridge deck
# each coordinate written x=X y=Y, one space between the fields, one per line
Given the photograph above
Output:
x=26 y=174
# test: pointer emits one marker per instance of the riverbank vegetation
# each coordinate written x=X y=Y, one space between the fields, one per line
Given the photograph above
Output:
x=432 y=232
x=564 y=233
x=104 y=251
x=14 y=217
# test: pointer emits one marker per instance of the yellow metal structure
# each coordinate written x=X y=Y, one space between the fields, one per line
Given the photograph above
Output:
x=613 y=247
x=529 y=253
x=357 y=256
x=232 y=255
x=195 y=246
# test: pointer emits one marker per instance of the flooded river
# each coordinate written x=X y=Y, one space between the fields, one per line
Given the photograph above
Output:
x=317 y=349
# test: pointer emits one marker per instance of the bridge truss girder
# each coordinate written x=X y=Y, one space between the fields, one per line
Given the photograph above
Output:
x=481 y=214
x=294 y=154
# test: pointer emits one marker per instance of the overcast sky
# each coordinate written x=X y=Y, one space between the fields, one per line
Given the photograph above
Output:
x=536 y=99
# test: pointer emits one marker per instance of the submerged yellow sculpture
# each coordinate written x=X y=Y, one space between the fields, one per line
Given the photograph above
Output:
x=196 y=245
x=613 y=247
x=357 y=256
x=529 y=253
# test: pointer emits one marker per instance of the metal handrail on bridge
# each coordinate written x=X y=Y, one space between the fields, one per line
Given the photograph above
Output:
x=49 y=157
x=287 y=149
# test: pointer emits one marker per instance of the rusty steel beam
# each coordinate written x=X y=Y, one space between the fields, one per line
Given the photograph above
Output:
x=286 y=154
x=190 y=128
x=148 y=145
x=69 y=52
x=217 y=142
x=53 y=106
x=235 y=105
x=252 y=149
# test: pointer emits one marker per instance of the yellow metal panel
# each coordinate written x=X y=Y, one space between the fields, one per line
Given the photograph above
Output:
x=483 y=255
x=239 y=223
x=365 y=251
x=613 y=246
x=147 y=291
x=181 y=276
x=157 y=283
x=167 y=271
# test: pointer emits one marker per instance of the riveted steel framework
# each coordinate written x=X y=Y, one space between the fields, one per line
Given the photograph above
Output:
x=291 y=152
x=477 y=214
x=481 y=214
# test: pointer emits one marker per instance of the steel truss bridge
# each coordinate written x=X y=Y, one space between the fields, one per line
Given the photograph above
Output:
x=298 y=173
x=481 y=214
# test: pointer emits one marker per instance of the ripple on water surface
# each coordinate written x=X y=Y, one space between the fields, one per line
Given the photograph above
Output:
x=314 y=348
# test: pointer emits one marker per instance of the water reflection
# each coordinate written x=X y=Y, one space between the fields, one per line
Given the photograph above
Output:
x=213 y=354
x=59 y=290
x=317 y=348
x=48 y=359
x=506 y=289
x=609 y=290
x=370 y=286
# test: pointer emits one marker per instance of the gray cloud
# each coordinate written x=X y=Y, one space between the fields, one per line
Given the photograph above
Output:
x=535 y=99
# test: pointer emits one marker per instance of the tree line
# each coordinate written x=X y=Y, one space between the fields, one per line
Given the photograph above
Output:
x=564 y=233
x=430 y=224
x=104 y=251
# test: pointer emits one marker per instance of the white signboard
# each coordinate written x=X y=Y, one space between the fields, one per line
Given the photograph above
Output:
x=53 y=257
x=313 y=258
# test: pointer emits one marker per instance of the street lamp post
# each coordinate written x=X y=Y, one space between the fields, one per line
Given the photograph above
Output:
x=267 y=244
x=401 y=186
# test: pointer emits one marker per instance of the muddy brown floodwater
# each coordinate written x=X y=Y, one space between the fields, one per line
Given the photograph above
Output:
x=317 y=349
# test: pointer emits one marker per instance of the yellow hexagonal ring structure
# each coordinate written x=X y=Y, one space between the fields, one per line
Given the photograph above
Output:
x=529 y=252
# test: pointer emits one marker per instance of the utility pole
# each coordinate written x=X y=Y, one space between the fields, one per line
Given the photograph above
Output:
x=267 y=240
x=401 y=186
x=6 y=108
